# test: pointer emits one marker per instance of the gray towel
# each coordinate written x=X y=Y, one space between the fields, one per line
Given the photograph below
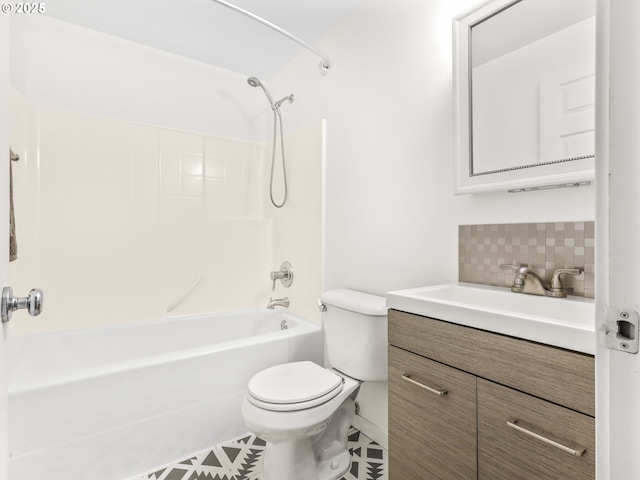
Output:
x=13 y=244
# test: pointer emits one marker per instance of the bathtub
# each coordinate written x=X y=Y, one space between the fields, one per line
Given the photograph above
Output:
x=110 y=403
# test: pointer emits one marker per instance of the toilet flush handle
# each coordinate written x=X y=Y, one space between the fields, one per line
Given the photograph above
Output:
x=321 y=306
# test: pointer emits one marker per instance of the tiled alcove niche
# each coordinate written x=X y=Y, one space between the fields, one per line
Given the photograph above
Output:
x=542 y=247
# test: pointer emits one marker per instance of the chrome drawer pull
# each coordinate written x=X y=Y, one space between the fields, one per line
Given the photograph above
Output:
x=437 y=391
x=528 y=429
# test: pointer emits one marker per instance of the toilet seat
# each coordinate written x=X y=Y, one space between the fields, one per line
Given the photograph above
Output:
x=293 y=386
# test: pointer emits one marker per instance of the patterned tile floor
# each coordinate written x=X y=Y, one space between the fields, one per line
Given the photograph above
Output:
x=241 y=459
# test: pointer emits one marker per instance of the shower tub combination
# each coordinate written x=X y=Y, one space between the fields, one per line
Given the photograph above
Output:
x=109 y=403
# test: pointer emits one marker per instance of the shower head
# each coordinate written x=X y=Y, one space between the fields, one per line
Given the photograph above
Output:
x=282 y=100
x=254 y=82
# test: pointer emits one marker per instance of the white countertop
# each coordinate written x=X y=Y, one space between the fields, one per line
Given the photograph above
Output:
x=562 y=322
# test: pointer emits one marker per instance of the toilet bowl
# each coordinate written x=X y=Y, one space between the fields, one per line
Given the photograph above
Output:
x=304 y=411
x=306 y=434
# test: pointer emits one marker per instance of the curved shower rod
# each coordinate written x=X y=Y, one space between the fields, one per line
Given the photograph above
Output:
x=324 y=64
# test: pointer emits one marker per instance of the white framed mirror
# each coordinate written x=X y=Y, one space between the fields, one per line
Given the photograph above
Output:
x=524 y=94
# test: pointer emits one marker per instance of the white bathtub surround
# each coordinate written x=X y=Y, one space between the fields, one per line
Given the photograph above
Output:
x=242 y=459
x=120 y=210
x=158 y=175
x=298 y=228
x=131 y=212
x=86 y=403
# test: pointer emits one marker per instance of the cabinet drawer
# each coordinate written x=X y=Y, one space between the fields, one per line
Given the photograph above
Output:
x=431 y=436
x=531 y=367
x=507 y=453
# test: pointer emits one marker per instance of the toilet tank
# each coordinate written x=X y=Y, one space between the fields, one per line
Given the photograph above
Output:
x=355 y=330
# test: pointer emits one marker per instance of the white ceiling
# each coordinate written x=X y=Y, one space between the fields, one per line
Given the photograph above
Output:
x=209 y=32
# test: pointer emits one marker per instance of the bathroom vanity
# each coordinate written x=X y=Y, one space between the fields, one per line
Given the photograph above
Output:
x=467 y=403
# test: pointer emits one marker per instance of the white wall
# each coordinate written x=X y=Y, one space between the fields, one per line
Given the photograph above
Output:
x=391 y=216
x=59 y=65
x=115 y=220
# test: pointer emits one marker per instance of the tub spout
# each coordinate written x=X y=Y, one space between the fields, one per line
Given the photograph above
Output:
x=278 y=302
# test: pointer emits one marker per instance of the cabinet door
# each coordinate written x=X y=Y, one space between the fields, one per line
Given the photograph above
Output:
x=432 y=434
x=521 y=437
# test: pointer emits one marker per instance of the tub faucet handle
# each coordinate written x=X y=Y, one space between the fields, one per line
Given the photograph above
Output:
x=33 y=303
x=285 y=275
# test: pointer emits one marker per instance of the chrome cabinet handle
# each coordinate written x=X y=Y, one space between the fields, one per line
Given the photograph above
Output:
x=437 y=391
x=530 y=430
x=33 y=303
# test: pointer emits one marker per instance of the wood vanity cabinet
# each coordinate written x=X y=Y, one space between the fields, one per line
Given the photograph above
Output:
x=513 y=409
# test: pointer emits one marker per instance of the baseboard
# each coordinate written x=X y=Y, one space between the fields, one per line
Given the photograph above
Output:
x=373 y=431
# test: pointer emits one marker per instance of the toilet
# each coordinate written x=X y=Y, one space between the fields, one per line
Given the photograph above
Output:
x=304 y=411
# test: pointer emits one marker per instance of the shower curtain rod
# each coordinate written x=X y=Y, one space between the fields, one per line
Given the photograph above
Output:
x=324 y=64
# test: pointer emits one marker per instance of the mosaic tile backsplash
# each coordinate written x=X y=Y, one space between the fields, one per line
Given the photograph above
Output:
x=542 y=247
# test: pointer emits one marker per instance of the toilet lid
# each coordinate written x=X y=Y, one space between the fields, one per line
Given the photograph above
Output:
x=294 y=383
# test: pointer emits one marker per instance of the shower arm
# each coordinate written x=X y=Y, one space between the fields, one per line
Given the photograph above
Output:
x=324 y=64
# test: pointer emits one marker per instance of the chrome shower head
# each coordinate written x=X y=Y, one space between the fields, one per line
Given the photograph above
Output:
x=254 y=82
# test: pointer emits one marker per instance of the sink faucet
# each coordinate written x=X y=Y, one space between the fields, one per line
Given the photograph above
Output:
x=528 y=281
x=278 y=302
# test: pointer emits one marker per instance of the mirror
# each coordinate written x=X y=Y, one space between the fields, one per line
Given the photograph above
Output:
x=524 y=94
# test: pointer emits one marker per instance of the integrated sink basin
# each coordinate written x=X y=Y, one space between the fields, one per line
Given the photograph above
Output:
x=562 y=322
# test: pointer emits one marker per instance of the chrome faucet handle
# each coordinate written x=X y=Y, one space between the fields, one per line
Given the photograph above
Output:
x=556 y=289
x=285 y=275
x=506 y=266
x=518 y=280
